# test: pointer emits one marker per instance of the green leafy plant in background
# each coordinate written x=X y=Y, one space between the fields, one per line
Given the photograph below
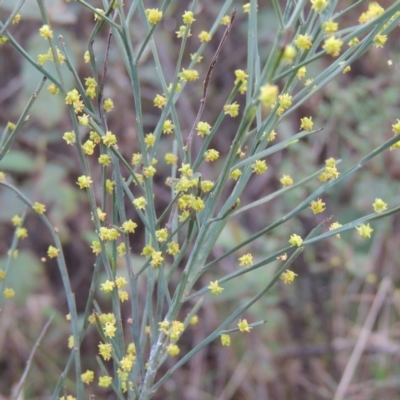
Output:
x=179 y=240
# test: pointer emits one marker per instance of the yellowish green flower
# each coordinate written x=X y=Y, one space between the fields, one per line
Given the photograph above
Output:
x=188 y=17
x=332 y=46
x=306 y=124
x=301 y=73
x=39 y=208
x=189 y=75
x=160 y=101
x=334 y=226
x=379 y=206
x=317 y=206
x=84 y=181
x=87 y=377
x=140 y=203
x=108 y=105
x=203 y=128
x=286 y=180
x=153 y=15
x=225 y=340
x=268 y=94
x=204 y=36
x=21 y=233
x=8 y=293
x=149 y=139
x=46 y=32
x=295 y=240
x=173 y=350
x=288 y=276
x=211 y=155
x=52 y=252
x=319 y=5
x=303 y=42
x=244 y=326
x=105 y=350
x=156 y=259
x=232 y=109
x=235 y=174
x=330 y=27
x=259 y=167
x=364 y=230
x=105 y=381
x=173 y=248
x=107 y=286
x=246 y=260
x=215 y=289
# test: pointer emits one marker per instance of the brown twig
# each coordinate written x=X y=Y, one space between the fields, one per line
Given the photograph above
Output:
x=207 y=80
x=29 y=362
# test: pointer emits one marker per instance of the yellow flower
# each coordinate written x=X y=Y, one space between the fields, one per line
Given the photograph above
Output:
x=156 y=259
x=108 y=105
x=140 y=203
x=150 y=139
x=259 y=167
x=203 y=128
x=268 y=94
x=194 y=320
x=153 y=15
x=301 y=73
x=189 y=75
x=286 y=180
x=330 y=27
x=160 y=101
x=306 y=124
x=187 y=17
x=244 y=326
x=232 y=109
x=379 y=206
x=84 y=181
x=168 y=127
x=303 y=42
x=110 y=329
x=173 y=350
x=332 y=46
x=69 y=137
x=364 y=230
x=211 y=155
x=162 y=235
x=226 y=19
x=129 y=226
x=109 y=139
x=289 y=53
x=319 y=5
x=8 y=293
x=225 y=340
x=46 y=32
x=235 y=174
x=107 y=286
x=317 y=207
x=16 y=220
x=87 y=377
x=296 y=240
x=246 y=260
x=173 y=248
x=334 y=226
x=21 y=233
x=105 y=351
x=215 y=289
x=105 y=381
x=380 y=40
x=16 y=18
x=288 y=276
x=204 y=36
x=52 y=252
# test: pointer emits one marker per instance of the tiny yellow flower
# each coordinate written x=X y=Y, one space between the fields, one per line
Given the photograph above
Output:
x=272 y=136
x=189 y=75
x=330 y=27
x=173 y=350
x=215 y=289
x=232 y=109
x=8 y=293
x=46 y=32
x=39 y=208
x=86 y=57
x=171 y=158
x=353 y=42
x=70 y=137
x=21 y=233
x=317 y=206
x=71 y=342
x=244 y=326
x=168 y=127
x=225 y=340
x=211 y=155
x=226 y=19
x=289 y=53
x=186 y=170
x=96 y=247
x=105 y=381
x=16 y=220
x=110 y=329
x=104 y=159
x=129 y=226
x=379 y=206
x=396 y=127
x=296 y=240
x=52 y=252
x=156 y=259
x=84 y=181
x=206 y=186
x=16 y=18
x=162 y=235
x=235 y=174
x=173 y=248
x=306 y=124
x=107 y=286
x=319 y=5
x=2 y=274
x=108 y=105
x=140 y=203
x=105 y=351
x=160 y=101
x=84 y=120
x=153 y=15
x=364 y=230
x=87 y=377
x=303 y=42
x=53 y=89
x=188 y=17
x=268 y=94
x=288 y=276
x=126 y=363
x=110 y=186
x=194 y=320
x=150 y=139
x=246 y=260
x=286 y=180
x=332 y=46
x=203 y=128
x=204 y=36
x=301 y=73
x=334 y=226
x=109 y=139
x=259 y=167
x=380 y=40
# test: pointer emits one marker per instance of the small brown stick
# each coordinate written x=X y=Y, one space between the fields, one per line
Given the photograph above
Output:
x=29 y=362
x=207 y=80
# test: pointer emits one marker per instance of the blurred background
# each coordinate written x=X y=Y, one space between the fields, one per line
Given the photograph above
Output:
x=312 y=325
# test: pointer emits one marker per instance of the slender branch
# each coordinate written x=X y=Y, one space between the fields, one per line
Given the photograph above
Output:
x=207 y=80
